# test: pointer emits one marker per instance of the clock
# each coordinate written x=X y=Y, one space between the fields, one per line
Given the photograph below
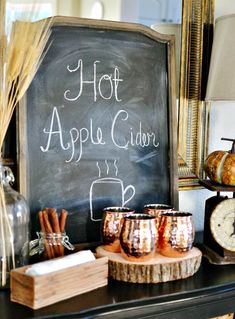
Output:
x=219 y=225
x=222 y=224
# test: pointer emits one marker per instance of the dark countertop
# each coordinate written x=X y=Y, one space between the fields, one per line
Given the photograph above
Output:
x=210 y=292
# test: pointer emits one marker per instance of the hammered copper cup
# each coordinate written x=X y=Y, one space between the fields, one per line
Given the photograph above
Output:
x=156 y=210
x=138 y=237
x=112 y=222
x=176 y=233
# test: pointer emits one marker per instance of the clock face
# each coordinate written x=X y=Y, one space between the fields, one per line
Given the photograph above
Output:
x=222 y=223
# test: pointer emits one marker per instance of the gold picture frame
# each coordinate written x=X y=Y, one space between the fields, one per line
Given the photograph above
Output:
x=197 y=29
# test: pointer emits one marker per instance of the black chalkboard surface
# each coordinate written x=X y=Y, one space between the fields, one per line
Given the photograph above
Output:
x=98 y=125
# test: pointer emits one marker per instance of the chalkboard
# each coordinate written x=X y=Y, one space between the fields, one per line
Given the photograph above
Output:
x=98 y=125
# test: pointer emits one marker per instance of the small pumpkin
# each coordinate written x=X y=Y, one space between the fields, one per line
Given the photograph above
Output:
x=220 y=166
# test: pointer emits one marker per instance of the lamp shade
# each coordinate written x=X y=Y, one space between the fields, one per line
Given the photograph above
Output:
x=221 y=79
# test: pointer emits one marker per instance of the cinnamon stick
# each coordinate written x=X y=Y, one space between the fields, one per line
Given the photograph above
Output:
x=47 y=251
x=40 y=216
x=48 y=229
x=63 y=217
x=47 y=224
x=56 y=229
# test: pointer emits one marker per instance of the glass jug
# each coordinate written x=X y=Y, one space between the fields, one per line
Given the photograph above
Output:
x=14 y=227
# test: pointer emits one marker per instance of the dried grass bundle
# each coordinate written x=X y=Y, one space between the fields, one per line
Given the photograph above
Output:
x=20 y=56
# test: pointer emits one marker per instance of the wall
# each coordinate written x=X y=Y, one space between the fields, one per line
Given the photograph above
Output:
x=111 y=9
x=67 y=8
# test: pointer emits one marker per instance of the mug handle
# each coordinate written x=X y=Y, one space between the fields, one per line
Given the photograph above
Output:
x=132 y=195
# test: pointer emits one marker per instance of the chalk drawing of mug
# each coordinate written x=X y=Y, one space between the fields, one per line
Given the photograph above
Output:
x=109 y=188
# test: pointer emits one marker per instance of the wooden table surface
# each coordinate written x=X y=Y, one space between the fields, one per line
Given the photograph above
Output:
x=208 y=293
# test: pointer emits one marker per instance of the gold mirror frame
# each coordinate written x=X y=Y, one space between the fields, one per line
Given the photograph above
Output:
x=197 y=29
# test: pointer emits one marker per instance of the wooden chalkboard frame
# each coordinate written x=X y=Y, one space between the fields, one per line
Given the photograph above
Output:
x=24 y=149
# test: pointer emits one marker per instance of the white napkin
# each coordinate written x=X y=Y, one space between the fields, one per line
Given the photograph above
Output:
x=49 y=266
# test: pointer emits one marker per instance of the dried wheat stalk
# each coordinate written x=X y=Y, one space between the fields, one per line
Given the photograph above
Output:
x=20 y=56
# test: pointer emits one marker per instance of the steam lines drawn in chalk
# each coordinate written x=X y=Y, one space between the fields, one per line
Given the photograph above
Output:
x=112 y=186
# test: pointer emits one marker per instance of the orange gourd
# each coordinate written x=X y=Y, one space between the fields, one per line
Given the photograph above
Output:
x=220 y=166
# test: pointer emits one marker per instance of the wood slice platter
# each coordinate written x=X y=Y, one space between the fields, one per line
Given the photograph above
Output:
x=158 y=269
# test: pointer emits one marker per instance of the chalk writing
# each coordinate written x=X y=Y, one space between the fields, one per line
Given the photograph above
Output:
x=77 y=136
x=140 y=138
x=80 y=136
x=106 y=80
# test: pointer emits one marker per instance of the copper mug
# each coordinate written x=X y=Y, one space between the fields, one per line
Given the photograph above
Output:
x=156 y=210
x=112 y=222
x=138 y=237
x=176 y=233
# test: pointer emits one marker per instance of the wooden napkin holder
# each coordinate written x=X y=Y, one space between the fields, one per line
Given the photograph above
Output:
x=40 y=291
